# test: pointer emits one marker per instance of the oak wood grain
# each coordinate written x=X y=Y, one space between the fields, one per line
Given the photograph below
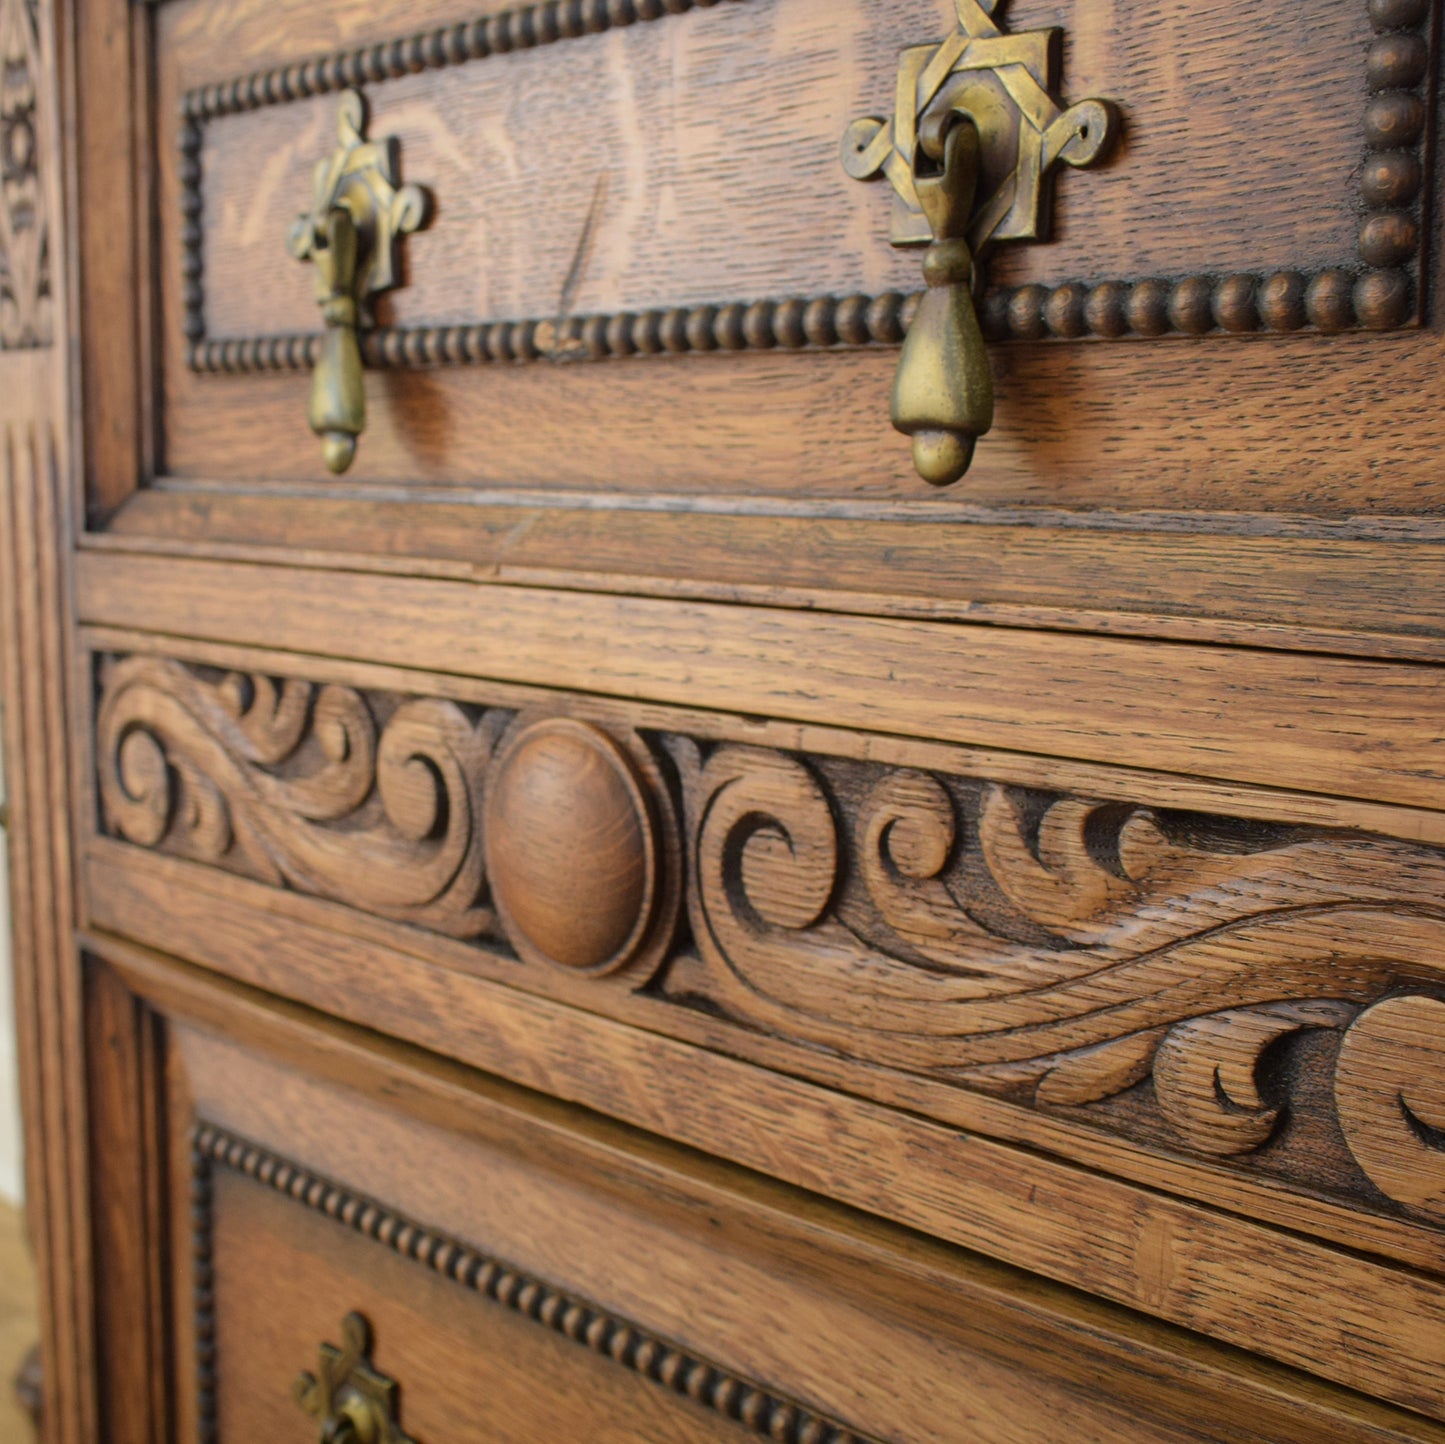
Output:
x=1164 y=1256
x=563 y=1177
x=691 y=200
x=1288 y=423
x=1057 y=950
x=1111 y=781
x=1304 y=722
x=1151 y=1161
x=732 y=551
x=1347 y=589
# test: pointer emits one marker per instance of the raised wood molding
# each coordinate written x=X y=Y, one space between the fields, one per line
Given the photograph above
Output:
x=1378 y=290
x=1358 y=729
x=1287 y=582
x=1182 y=979
x=1127 y=1240
x=38 y=471
x=983 y=1322
x=659 y=1362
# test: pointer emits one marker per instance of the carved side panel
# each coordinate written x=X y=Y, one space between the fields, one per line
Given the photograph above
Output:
x=25 y=299
x=1265 y=996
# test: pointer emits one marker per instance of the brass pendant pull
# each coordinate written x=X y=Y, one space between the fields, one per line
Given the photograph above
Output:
x=352 y=236
x=350 y=1401
x=943 y=392
x=974 y=135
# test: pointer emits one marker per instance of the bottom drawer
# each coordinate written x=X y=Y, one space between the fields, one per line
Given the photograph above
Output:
x=439 y=1341
x=442 y=1258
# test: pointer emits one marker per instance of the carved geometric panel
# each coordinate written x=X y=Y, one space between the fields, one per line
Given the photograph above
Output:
x=25 y=299
x=1263 y=996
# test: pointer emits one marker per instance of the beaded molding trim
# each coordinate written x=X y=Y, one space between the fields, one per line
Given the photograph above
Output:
x=1381 y=291
x=656 y=1360
x=203 y=1283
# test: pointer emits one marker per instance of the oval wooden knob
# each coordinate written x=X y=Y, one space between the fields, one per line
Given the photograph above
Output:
x=570 y=846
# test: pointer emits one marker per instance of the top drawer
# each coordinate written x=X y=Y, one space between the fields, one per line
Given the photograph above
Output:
x=647 y=282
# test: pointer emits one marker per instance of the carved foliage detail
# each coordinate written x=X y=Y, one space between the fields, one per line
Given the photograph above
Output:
x=25 y=300
x=1063 y=951
x=1390 y=1092
x=413 y=808
x=260 y=772
x=1143 y=970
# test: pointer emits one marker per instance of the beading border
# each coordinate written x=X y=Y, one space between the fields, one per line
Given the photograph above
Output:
x=664 y=1364
x=1382 y=290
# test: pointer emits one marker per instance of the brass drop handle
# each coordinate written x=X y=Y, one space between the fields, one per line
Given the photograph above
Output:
x=350 y=1401
x=337 y=410
x=974 y=134
x=943 y=391
x=352 y=236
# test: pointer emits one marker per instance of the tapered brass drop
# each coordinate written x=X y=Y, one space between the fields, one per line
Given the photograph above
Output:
x=943 y=391
x=351 y=235
x=974 y=135
x=337 y=410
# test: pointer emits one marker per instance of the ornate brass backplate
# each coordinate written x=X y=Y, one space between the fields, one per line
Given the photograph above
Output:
x=974 y=134
x=350 y=1401
x=352 y=236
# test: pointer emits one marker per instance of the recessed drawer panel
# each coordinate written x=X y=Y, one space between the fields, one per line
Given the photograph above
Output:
x=377 y=1237
x=654 y=191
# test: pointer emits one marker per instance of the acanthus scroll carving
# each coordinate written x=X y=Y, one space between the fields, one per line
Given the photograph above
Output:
x=257 y=772
x=1064 y=952
x=1167 y=975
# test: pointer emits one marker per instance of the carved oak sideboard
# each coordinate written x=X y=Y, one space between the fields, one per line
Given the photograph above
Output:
x=724 y=717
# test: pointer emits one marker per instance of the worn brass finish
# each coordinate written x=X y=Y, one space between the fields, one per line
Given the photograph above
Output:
x=352 y=237
x=943 y=390
x=974 y=134
x=349 y=1400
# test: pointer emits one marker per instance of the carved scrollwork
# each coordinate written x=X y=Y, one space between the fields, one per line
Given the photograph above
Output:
x=1143 y=970
x=1055 y=949
x=258 y=773
x=25 y=293
x=1390 y=1095
x=541 y=831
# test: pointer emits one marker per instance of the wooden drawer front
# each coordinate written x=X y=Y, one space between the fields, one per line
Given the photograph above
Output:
x=621 y=185
x=527 y=1272
x=1202 y=1023
x=649 y=337
x=481 y=1351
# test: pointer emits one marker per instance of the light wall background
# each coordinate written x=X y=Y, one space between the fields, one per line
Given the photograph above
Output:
x=11 y=1178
